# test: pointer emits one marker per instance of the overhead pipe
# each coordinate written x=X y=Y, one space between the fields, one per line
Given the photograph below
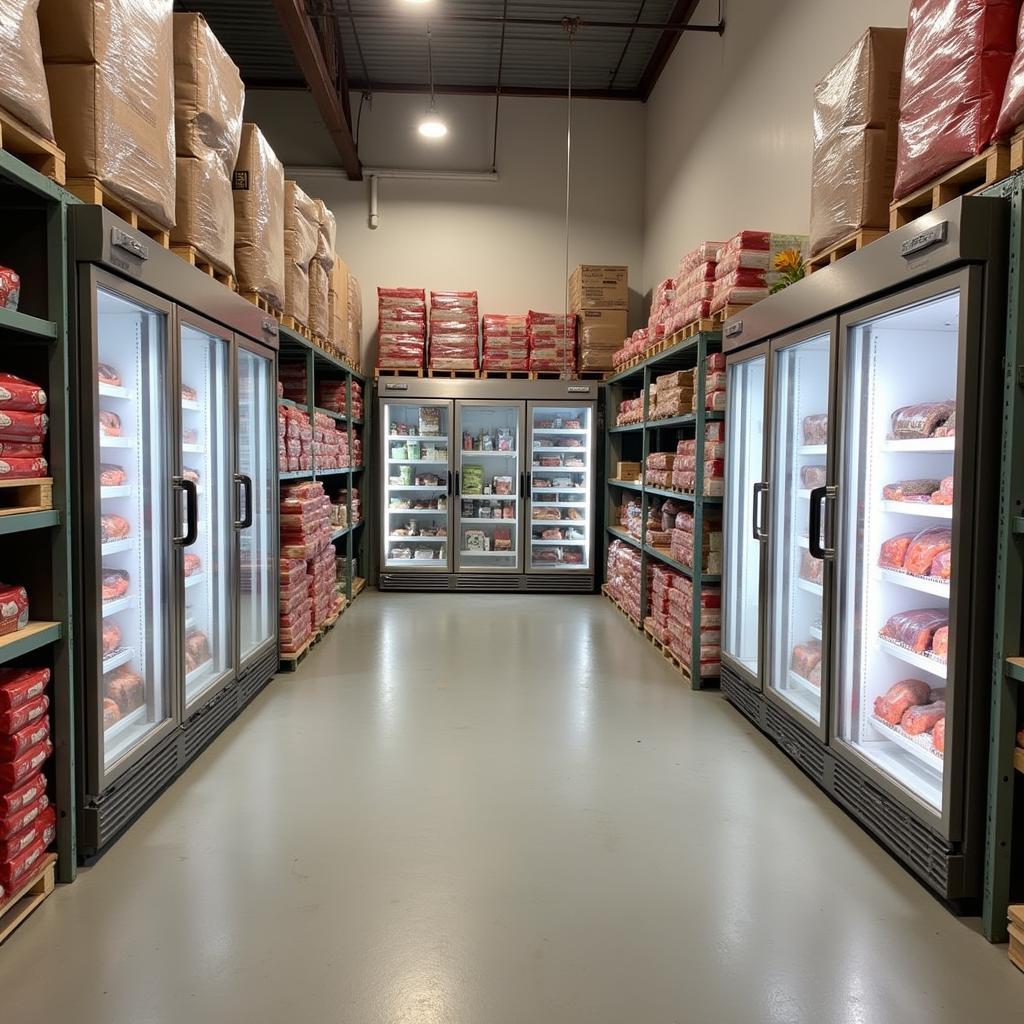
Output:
x=485 y=19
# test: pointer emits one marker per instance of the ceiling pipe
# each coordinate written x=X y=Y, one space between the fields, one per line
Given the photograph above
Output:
x=498 y=19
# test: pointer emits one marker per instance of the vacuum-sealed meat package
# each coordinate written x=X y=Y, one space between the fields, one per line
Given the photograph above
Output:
x=23 y=796
x=811 y=568
x=806 y=658
x=13 y=608
x=12 y=773
x=922 y=717
x=111 y=475
x=893 y=704
x=942 y=565
x=894 y=551
x=816 y=429
x=20 y=685
x=113 y=527
x=910 y=490
x=927 y=546
x=943 y=494
x=812 y=476
x=939 y=735
x=17 y=718
x=940 y=642
x=18 y=393
x=914 y=629
x=912 y=422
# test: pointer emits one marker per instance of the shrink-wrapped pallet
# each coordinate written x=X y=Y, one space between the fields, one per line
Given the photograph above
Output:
x=301 y=236
x=258 y=190
x=23 y=91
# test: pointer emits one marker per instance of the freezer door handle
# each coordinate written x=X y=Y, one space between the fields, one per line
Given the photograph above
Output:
x=243 y=493
x=522 y=483
x=458 y=486
x=192 y=513
x=177 y=487
x=529 y=485
x=818 y=495
x=449 y=475
x=757 y=524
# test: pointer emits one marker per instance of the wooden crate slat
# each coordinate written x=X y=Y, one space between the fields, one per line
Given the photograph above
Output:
x=31 y=148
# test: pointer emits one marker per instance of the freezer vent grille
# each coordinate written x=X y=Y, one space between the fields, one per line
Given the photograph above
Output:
x=488 y=582
x=917 y=846
x=582 y=583
x=256 y=678
x=201 y=728
x=129 y=797
x=433 y=581
x=741 y=696
x=801 y=747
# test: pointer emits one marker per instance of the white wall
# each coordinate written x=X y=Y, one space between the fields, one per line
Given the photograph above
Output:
x=729 y=122
x=505 y=239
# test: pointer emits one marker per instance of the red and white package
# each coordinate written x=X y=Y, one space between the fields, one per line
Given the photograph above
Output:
x=17 y=718
x=23 y=426
x=26 y=794
x=22 y=469
x=955 y=68
x=12 y=773
x=13 y=871
x=20 y=450
x=23 y=816
x=18 y=393
x=10 y=288
x=13 y=608
x=13 y=745
x=43 y=829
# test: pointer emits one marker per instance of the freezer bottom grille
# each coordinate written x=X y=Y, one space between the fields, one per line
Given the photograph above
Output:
x=740 y=696
x=570 y=583
x=488 y=582
x=256 y=677
x=205 y=725
x=428 y=581
x=917 y=846
x=804 y=749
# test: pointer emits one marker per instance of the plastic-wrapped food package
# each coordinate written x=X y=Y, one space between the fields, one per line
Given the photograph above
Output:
x=21 y=797
x=1011 y=113
x=925 y=548
x=301 y=232
x=13 y=773
x=23 y=91
x=894 y=703
x=921 y=718
x=920 y=420
x=17 y=718
x=454 y=319
x=919 y=491
x=755 y=250
x=319 y=299
x=110 y=75
x=943 y=494
x=258 y=191
x=402 y=328
x=955 y=68
x=208 y=101
x=856 y=116
x=915 y=629
x=19 y=686
x=42 y=829
x=894 y=551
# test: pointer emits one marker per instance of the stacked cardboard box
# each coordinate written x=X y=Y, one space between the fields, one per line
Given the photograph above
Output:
x=599 y=297
x=337 y=306
x=320 y=267
x=454 y=327
x=23 y=92
x=301 y=238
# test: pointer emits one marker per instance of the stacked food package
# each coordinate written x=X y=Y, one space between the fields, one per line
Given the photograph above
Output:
x=294 y=439
x=661 y=519
x=684 y=469
x=28 y=824
x=505 y=342
x=454 y=323
x=331 y=446
x=673 y=395
x=679 y=626
x=296 y=618
x=749 y=264
x=624 y=582
x=661 y=310
x=353 y=346
x=293 y=382
x=23 y=426
x=659 y=469
x=401 y=328
x=683 y=541
x=636 y=345
x=714 y=383
x=695 y=286
x=357 y=511
x=331 y=395
x=631 y=410
x=23 y=90
x=551 y=339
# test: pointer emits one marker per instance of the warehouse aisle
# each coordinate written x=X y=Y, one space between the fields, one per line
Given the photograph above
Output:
x=496 y=810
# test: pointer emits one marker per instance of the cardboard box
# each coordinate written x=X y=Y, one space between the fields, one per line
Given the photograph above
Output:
x=337 y=301
x=205 y=215
x=258 y=192
x=856 y=121
x=319 y=304
x=627 y=471
x=354 y=332
x=23 y=91
x=301 y=234
x=599 y=287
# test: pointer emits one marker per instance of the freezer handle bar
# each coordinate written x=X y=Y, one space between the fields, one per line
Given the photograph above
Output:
x=819 y=497
x=192 y=513
x=245 y=501
x=759 y=529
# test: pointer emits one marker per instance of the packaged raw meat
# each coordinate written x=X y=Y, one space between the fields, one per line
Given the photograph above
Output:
x=948 y=429
x=15 y=744
x=193 y=564
x=943 y=494
x=17 y=393
x=915 y=629
x=893 y=704
x=812 y=476
x=106 y=374
x=28 y=427
x=13 y=608
x=939 y=735
x=26 y=794
x=42 y=829
x=910 y=490
x=894 y=551
x=921 y=420
x=113 y=527
x=922 y=717
x=13 y=871
x=20 y=450
x=111 y=475
x=18 y=718
x=188 y=473
x=18 y=686
x=925 y=548
x=955 y=68
x=811 y=568
x=111 y=637
x=110 y=424
x=197 y=650
x=806 y=658
x=816 y=429
x=942 y=565
x=13 y=773
x=114 y=584
x=22 y=469
x=126 y=688
x=940 y=643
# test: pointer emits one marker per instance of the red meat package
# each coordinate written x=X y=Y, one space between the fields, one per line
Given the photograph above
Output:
x=17 y=718
x=955 y=68
x=20 y=819
x=20 y=450
x=943 y=495
x=894 y=551
x=922 y=717
x=940 y=643
x=22 y=469
x=13 y=871
x=26 y=427
x=892 y=705
x=17 y=393
x=13 y=608
x=13 y=745
x=14 y=772
x=925 y=548
x=43 y=829
x=915 y=629
x=26 y=794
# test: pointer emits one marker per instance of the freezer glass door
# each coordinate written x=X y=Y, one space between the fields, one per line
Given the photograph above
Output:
x=560 y=487
x=417 y=484
x=488 y=475
x=206 y=418
x=255 y=523
x=798 y=474
x=897 y=557
x=134 y=527
x=745 y=469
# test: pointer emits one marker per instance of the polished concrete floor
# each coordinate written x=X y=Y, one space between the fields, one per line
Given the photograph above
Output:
x=496 y=810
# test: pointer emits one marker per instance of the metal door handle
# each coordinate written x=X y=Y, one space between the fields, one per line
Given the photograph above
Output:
x=529 y=485
x=819 y=497
x=759 y=531
x=449 y=475
x=177 y=486
x=828 y=526
x=192 y=512
x=522 y=483
x=458 y=485
x=245 y=521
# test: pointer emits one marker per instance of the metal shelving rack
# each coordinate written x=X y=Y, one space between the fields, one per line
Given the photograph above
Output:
x=36 y=546
x=322 y=366
x=635 y=442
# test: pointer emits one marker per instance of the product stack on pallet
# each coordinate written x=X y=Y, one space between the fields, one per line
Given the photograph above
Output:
x=401 y=329
x=599 y=298
x=506 y=347
x=551 y=338
x=454 y=333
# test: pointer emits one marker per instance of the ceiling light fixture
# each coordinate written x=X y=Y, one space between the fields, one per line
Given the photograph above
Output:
x=432 y=126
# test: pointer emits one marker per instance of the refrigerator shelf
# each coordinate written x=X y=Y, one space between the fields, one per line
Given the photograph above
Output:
x=815 y=631
x=417 y=462
x=117 y=658
x=561 y=431
x=115 y=546
x=920 y=745
x=921 y=444
x=488 y=554
x=493 y=454
x=492 y=521
x=191 y=405
x=418 y=511
x=925 y=662
x=195 y=579
x=418 y=487
x=114 y=391
x=538 y=543
x=921 y=508
x=193 y=449
x=117 y=442
x=561 y=469
x=489 y=497
x=117 y=738
x=812 y=588
x=417 y=539
x=559 y=504
x=812 y=449
x=119 y=604
x=125 y=491
x=397 y=563
x=432 y=438
x=925 y=584
x=805 y=686
x=578 y=524
x=198 y=672
x=31 y=638
x=544 y=449
x=557 y=490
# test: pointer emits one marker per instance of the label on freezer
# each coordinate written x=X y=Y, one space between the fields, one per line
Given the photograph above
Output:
x=924 y=240
x=396 y=386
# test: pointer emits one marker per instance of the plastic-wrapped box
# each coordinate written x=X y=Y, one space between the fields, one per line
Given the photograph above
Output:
x=1011 y=113
x=856 y=117
x=110 y=74
x=955 y=68
x=301 y=235
x=258 y=191
x=23 y=91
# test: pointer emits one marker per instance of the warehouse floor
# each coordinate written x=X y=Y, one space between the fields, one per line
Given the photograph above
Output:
x=496 y=810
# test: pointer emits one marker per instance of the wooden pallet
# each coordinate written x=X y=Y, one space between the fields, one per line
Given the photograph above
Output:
x=31 y=148
x=504 y=374
x=90 y=190
x=665 y=651
x=20 y=496
x=591 y=374
x=1015 y=915
x=28 y=897
x=291 y=662
x=607 y=593
x=299 y=328
x=851 y=243
x=719 y=318
x=358 y=585
x=547 y=375
x=398 y=371
x=261 y=303
x=453 y=374
x=190 y=254
x=1017 y=151
x=988 y=167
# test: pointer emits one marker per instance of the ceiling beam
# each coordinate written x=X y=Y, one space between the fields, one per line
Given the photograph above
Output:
x=680 y=20
x=490 y=90
x=309 y=55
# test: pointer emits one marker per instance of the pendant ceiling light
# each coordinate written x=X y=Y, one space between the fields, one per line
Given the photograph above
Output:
x=432 y=126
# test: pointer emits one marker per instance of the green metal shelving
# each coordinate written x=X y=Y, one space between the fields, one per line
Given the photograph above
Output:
x=621 y=444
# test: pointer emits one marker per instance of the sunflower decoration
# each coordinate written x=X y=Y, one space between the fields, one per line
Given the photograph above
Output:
x=790 y=264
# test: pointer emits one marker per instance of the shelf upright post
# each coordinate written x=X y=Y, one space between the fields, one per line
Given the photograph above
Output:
x=644 y=497
x=350 y=537
x=700 y=380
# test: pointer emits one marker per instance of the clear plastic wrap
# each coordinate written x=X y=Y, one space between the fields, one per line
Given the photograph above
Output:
x=1011 y=113
x=856 y=115
x=925 y=548
x=23 y=91
x=319 y=301
x=957 y=60
x=921 y=718
x=110 y=74
x=327 y=234
x=892 y=705
x=258 y=191
x=912 y=422
x=916 y=628
x=301 y=235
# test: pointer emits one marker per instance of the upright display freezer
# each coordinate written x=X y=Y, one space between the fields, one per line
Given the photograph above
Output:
x=175 y=478
x=875 y=515
x=487 y=485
